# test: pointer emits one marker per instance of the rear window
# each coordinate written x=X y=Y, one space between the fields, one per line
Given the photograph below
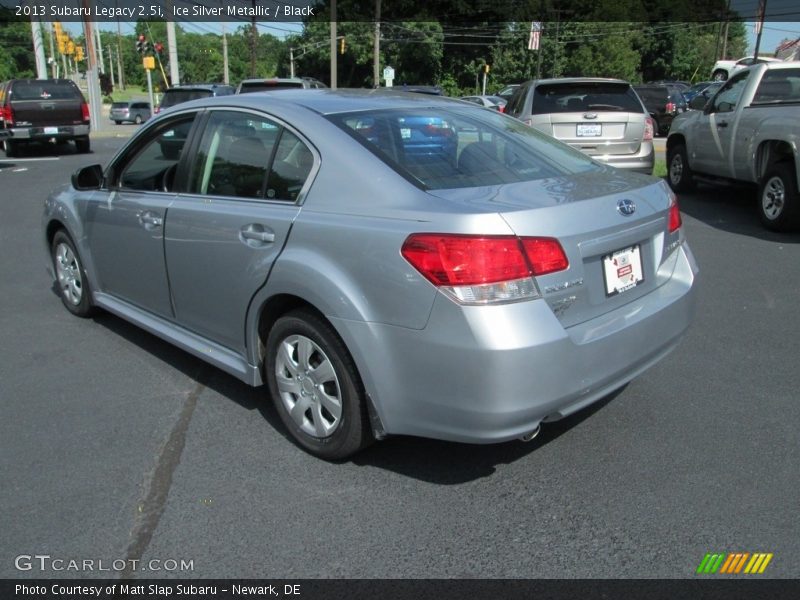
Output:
x=778 y=86
x=581 y=97
x=119 y=105
x=45 y=90
x=261 y=86
x=652 y=94
x=173 y=96
x=457 y=147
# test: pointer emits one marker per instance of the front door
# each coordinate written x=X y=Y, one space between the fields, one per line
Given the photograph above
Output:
x=125 y=226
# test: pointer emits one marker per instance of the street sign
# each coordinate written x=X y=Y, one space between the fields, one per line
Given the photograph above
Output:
x=149 y=62
x=388 y=75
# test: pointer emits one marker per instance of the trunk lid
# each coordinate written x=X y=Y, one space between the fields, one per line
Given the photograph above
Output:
x=593 y=132
x=583 y=212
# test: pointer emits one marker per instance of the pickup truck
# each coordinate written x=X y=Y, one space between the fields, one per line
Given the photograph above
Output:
x=34 y=110
x=748 y=132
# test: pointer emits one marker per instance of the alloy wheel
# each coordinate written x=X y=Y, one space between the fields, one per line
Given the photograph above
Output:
x=68 y=272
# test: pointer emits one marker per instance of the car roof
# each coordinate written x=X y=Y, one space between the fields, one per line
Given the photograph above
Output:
x=329 y=101
x=198 y=86
x=575 y=80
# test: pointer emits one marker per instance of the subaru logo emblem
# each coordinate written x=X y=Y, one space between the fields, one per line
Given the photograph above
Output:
x=626 y=207
x=589 y=115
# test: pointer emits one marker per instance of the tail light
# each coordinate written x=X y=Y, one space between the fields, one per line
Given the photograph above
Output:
x=484 y=269
x=7 y=113
x=85 y=111
x=157 y=109
x=671 y=107
x=674 y=221
x=501 y=108
x=649 y=129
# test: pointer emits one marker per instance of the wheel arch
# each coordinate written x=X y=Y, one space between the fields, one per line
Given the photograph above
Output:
x=774 y=151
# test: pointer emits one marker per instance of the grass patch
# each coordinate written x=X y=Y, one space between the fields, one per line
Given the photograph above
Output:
x=660 y=168
x=130 y=93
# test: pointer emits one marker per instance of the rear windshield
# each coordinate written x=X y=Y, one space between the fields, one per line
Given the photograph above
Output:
x=119 y=105
x=45 y=90
x=582 y=97
x=457 y=147
x=261 y=86
x=173 y=97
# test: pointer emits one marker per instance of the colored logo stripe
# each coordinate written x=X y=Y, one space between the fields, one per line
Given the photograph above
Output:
x=734 y=563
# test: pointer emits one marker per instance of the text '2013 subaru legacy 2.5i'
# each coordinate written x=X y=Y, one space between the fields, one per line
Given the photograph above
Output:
x=384 y=263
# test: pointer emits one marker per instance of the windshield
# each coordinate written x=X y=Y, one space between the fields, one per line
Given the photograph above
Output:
x=456 y=147
x=261 y=86
x=173 y=96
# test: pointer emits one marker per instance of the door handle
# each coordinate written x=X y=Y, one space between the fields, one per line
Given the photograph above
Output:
x=256 y=234
x=722 y=124
x=150 y=220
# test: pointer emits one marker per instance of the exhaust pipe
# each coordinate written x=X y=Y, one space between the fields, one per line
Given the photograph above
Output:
x=531 y=434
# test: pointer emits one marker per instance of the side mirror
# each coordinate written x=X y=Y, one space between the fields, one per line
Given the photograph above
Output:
x=698 y=102
x=88 y=178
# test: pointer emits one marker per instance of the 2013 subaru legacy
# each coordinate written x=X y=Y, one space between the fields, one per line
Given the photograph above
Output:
x=318 y=243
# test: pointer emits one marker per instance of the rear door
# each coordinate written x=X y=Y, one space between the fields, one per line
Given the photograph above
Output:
x=247 y=178
x=596 y=118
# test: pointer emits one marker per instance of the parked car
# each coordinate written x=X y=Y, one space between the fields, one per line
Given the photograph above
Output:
x=603 y=118
x=724 y=69
x=706 y=92
x=495 y=102
x=747 y=133
x=278 y=83
x=507 y=92
x=129 y=112
x=663 y=102
x=296 y=247
x=695 y=89
x=192 y=91
x=41 y=110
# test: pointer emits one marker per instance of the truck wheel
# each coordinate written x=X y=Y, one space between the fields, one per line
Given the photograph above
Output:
x=679 y=173
x=10 y=148
x=82 y=145
x=778 y=198
x=719 y=75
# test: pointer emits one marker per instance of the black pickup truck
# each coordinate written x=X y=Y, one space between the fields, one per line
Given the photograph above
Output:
x=40 y=110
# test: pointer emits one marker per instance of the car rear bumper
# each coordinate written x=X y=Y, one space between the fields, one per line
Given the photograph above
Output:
x=46 y=133
x=641 y=162
x=493 y=373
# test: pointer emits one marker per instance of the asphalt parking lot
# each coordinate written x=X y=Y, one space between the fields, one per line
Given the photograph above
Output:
x=117 y=446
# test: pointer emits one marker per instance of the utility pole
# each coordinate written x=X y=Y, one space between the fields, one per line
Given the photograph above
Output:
x=376 y=48
x=111 y=67
x=291 y=62
x=334 y=75
x=173 y=50
x=38 y=49
x=226 y=77
x=119 y=54
x=91 y=72
x=53 y=61
x=101 y=59
x=762 y=9
x=253 y=42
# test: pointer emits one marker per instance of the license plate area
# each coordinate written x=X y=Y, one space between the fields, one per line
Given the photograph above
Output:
x=589 y=130
x=622 y=270
x=50 y=130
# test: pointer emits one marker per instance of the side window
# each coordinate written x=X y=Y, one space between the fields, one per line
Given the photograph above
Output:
x=152 y=167
x=729 y=95
x=235 y=155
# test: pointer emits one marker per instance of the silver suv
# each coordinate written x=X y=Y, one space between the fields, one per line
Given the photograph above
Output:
x=603 y=118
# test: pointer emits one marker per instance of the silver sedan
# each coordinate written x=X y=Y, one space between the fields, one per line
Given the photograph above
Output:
x=382 y=263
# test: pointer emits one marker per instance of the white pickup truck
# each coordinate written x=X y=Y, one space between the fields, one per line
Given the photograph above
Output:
x=748 y=132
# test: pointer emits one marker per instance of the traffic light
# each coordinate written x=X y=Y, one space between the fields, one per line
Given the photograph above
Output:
x=158 y=47
x=140 y=44
x=146 y=47
x=79 y=53
x=62 y=44
x=57 y=29
x=70 y=47
x=342 y=46
x=486 y=69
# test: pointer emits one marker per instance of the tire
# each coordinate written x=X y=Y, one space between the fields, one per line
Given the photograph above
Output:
x=138 y=120
x=778 y=199
x=315 y=386
x=11 y=148
x=118 y=122
x=720 y=75
x=679 y=173
x=73 y=286
x=83 y=145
